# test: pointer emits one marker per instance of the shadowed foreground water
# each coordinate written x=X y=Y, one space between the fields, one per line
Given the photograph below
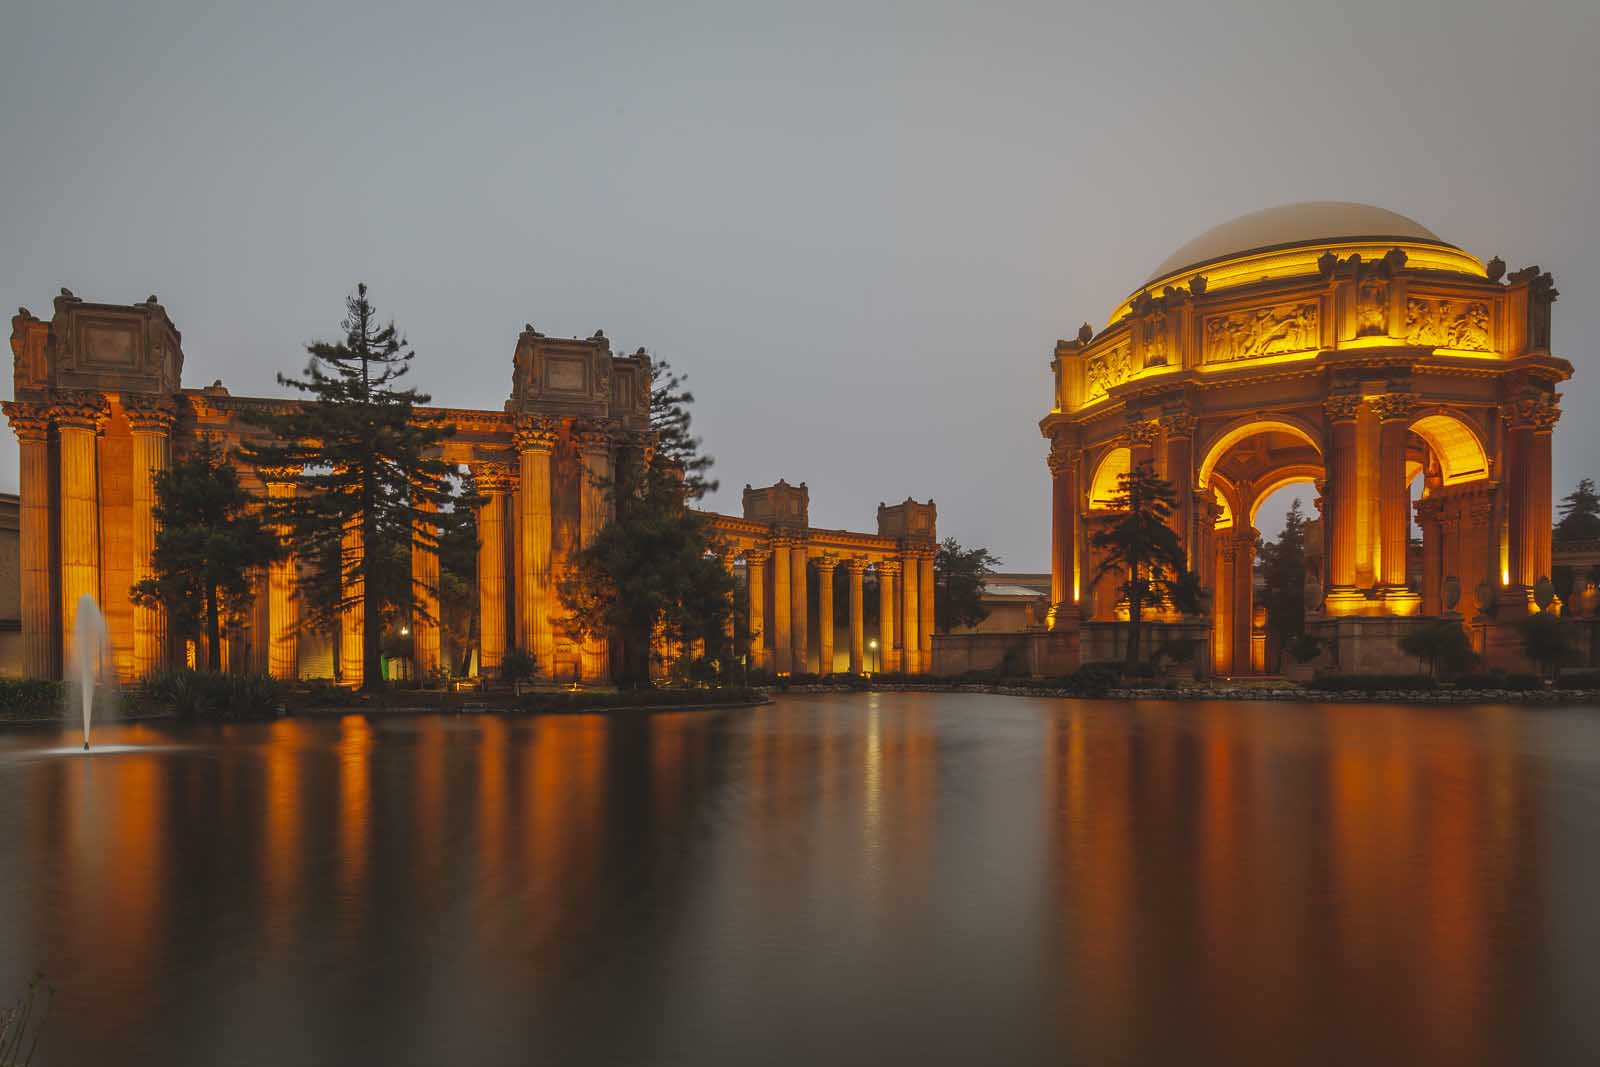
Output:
x=855 y=879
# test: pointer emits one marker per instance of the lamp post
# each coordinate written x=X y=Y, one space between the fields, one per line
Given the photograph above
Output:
x=873 y=644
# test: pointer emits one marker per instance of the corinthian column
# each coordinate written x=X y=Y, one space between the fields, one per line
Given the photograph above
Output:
x=1244 y=554
x=353 y=615
x=798 y=576
x=594 y=512
x=1179 y=427
x=425 y=590
x=1063 y=533
x=853 y=567
x=910 y=642
x=1533 y=417
x=1394 y=500
x=80 y=418
x=283 y=589
x=826 y=564
x=925 y=607
x=782 y=651
x=31 y=423
x=755 y=568
x=1340 y=496
x=887 y=569
x=536 y=440
x=494 y=482
x=150 y=418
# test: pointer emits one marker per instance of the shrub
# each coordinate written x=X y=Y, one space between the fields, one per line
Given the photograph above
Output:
x=518 y=665
x=1579 y=679
x=1523 y=682
x=562 y=701
x=215 y=695
x=30 y=698
x=325 y=693
x=1304 y=648
x=1371 y=683
x=1094 y=678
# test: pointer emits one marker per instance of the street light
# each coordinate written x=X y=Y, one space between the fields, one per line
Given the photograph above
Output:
x=873 y=644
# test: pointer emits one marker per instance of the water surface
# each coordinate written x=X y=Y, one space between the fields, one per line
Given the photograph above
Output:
x=889 y=878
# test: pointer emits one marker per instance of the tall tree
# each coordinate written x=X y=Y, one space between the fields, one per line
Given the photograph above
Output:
x=1141 y=547
x=1283 y=573
x=958 y=576
x=651 y=576
x=210 y=538
x=363 y=451
x=1580 y=514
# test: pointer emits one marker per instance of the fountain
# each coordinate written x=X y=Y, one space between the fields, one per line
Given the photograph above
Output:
x=89 y=640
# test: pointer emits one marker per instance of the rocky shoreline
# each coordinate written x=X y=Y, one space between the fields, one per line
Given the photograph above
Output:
x=1285 y=694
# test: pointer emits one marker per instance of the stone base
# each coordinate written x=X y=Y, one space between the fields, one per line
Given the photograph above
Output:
x=1366 y=644
x=1036 y=653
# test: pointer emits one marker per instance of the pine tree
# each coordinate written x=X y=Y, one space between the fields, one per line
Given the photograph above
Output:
x=210 y=539
x=1580 y=514
x=1141 y=547
x=652 y=574
x=1283 y=571
x=362 y=452
x=958 y=575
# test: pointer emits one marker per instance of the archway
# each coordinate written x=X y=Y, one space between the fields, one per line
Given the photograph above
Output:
x=1453 y=512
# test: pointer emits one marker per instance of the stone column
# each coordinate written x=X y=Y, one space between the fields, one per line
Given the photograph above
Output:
x=425 y=592
x=1342 y=597
x=536 y=439
x=853 y=567
x=80 y=417
x=352 y=619
x=799 y=574
x=1394 y=500
x=1244 y=551
x=1222 y=605
x=1533 y=417
x=826 y=564
x=1141 y=441
x=1179 y=427
x=31 y=423
x=755 y=574
x=910 y=641
x=1063 y=533
x=1429 y=517
x=283 y=599
x=150 y=418
x=494 y=483
x=594 y=512
x=782 y=616
x=925 y=607
x=888 y=657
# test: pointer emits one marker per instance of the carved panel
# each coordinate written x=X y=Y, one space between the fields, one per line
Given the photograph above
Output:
x=564 y=374
x=1104 y=370
x=1260 y=332
x=106 y=345
x=1372 y=307
x=1460 y=324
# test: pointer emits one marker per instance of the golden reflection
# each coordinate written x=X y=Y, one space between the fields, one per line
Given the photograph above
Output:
x=565 y=814
x=281 y=845
x=355 y=813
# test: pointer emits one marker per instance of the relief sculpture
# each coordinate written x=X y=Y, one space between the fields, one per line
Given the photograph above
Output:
x=1261 y=332
x=1103 y=371
x=1448 y=324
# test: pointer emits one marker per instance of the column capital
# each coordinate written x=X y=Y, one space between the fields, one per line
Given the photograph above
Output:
x=890 y=567
x=856 y=564
x=536 y=433
x=827 y=562
x=30 y=422
x=1342 y=407
x=1534 y=410
x=149 y=412
x=1178 y=424
x=279 y=476
x=1142 y=432
x=591 y=435
x=493 y=476
x=1394 y=407
x=1062 y=456
x=83 y=409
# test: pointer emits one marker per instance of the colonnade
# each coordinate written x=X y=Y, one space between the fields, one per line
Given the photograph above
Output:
x=777 y=577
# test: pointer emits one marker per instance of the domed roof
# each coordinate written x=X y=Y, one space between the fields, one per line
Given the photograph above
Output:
x=1290 y=225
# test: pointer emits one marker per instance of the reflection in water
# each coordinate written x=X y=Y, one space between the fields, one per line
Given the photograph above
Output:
x=887 y=878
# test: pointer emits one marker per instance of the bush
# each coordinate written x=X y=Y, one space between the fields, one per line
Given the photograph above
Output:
x=518 y=665
x=1520 y=683
x=325 y=693
x=1304 y=648
x=1579 y=679
x=30 y=698
x=1093 y=679
x=214 y=695
x=563 y=701
x=1371 y=683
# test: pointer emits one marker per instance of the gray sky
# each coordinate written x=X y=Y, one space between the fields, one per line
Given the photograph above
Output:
x=860 y=228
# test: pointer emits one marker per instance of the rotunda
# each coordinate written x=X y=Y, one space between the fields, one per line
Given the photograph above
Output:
x=1336 y=344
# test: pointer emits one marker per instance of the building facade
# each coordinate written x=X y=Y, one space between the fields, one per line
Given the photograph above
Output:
x=1338 y=345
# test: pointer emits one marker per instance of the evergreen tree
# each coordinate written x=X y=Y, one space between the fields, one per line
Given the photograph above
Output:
x=1442 y=644
x=210 y=538
x=1142 y=548
x=1580 y=514
x=362 y=450
x=652 y=575
x=1283 y=572
x=958 y=576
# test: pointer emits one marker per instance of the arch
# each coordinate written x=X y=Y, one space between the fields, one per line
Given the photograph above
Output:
x=1249 y=426
x=1225 y=493
x=1103 y=486
x=1456 y=443
x=1291 y=475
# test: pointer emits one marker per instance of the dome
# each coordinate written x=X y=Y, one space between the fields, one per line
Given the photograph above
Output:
x=1289 y=225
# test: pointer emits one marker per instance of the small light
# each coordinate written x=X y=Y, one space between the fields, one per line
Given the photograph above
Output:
x=872 y=645
x=405 y=631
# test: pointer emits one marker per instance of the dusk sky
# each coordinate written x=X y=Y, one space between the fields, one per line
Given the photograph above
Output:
x=859 y=228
